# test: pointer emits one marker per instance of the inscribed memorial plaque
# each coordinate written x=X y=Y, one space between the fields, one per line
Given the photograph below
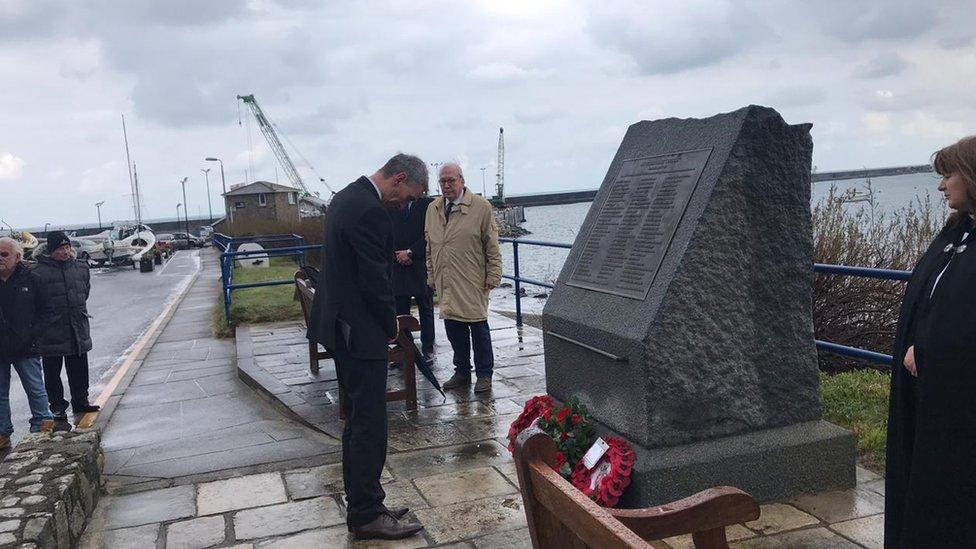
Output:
x=634 y=228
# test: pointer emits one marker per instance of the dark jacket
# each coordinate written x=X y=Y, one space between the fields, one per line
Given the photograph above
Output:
x=408 y=234
x=930 y=477
x=354 y=299
x=67 y=285
x=22 y=300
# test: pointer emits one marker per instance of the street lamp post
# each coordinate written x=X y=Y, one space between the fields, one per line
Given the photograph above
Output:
x=436 y=175
x=484 y=189
x=206 y=173
x=98 y=208
x=178 y=211
x=186 y=218
x=223 y=182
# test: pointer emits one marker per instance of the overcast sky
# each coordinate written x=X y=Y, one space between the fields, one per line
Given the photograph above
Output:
x=884 y=82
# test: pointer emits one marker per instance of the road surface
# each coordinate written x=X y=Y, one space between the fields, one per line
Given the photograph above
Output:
x=123 y=303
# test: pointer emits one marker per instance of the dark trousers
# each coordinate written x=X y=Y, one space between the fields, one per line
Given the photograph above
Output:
x=364 y=435
x=425 y=308
x=463 y=336
x=77 y=367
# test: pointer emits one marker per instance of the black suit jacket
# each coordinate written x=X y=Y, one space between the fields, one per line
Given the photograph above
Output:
x=408 y=234
x=353 y=307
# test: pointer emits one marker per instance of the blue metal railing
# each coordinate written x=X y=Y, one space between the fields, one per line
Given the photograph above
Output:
x=823 y=268
x=229 y=255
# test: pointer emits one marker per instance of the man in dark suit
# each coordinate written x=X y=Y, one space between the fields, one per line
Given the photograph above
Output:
x=410 y=268
x=353 y=317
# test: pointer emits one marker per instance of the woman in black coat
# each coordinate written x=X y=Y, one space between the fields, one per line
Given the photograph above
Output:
x=67 y=338
x=930 y=487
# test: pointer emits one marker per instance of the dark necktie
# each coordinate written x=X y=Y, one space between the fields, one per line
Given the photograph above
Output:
x=448 y=210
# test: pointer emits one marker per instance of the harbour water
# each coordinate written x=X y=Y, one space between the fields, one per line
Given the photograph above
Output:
x=562 y=223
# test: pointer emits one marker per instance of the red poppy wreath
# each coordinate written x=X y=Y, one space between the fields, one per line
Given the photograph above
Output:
x=532 y=411
x=608 y=479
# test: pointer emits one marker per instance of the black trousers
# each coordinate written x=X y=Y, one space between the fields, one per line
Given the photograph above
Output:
x=425 y=308
x=364 y=435
x=465 y=335
x=77 y=367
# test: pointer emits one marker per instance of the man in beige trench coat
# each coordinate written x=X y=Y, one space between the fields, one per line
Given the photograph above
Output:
x=463 y=265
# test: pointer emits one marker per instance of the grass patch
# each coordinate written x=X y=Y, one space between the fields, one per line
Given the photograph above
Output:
x=255 y=305
x=858 y=400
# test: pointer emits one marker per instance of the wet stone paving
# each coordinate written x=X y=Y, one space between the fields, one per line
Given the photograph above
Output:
x=447 y=462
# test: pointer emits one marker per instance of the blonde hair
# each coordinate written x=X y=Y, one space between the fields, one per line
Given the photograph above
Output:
x=960 y=158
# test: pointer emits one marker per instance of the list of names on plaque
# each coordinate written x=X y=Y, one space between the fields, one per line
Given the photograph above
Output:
x=626 y=243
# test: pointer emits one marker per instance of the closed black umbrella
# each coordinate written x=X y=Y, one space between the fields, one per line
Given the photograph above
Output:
x=418 y=360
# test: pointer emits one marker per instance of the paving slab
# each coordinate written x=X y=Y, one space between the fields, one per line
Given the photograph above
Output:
x=287 y=518
x=812 y=538
x=448 y=488
x=197 y=533
x=867 y=531
x=150 y=506
x=779 y=517
x=469 y=519
x=138 y=536
x=841 y=505
x=241 y=493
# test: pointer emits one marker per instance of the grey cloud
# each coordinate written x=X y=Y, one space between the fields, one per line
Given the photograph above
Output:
x=797 y=96
x=874 y=19
x=663 y=38
x=884 y=64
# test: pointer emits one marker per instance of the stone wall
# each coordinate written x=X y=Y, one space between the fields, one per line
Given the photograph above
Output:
x=49 y=485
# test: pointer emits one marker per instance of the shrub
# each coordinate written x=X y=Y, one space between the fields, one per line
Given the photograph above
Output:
x=857 y=311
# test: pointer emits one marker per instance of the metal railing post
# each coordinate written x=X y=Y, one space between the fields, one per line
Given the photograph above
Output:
x=518 y=285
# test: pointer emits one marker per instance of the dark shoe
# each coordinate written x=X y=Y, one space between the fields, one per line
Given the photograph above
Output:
x=85 y=408
x=457 y=380
x=397 y=512
x=62 y=425
x=4 y=442
x=386 y=526
x=59 y=416
x=482 y=385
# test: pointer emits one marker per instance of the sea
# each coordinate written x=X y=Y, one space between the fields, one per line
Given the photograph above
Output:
x=562 y=224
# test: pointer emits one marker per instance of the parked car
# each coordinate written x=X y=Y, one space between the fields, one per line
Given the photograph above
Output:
x=87 y=249
x=180 y=241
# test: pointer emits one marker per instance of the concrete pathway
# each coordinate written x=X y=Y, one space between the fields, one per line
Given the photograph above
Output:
x=196 y=459
x=179 y=424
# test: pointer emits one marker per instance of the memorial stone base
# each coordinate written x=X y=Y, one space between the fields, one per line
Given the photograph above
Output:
x=773 y=464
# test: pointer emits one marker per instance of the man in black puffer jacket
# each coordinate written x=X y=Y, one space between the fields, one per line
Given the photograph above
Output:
x=67 y=338
x=21 y=302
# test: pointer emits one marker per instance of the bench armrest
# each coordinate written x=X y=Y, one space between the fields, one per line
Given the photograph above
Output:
x=709 y=509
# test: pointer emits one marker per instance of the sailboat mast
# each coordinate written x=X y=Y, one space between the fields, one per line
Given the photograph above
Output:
x=135 y=181
x=128 y=169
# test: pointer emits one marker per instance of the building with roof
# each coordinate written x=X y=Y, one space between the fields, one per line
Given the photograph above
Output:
x=266 y=201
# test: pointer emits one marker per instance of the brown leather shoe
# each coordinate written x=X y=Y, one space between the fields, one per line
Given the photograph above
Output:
x=482 y=385
x=457 y=380
x=4 y=442
x=47 y=425
x=398 y=513
x=386 y=526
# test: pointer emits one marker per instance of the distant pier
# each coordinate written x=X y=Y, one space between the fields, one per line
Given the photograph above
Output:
x=574 y=197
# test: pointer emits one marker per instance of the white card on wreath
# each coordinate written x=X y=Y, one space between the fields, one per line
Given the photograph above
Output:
x=593 y=455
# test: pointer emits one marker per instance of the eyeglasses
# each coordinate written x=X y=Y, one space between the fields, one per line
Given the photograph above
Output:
x=448 y=180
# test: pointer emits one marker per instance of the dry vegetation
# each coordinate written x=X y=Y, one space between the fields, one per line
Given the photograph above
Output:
x=857 y=311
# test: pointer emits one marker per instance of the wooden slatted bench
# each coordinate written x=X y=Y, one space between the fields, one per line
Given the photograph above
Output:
x=402 y=352
x=562 y=517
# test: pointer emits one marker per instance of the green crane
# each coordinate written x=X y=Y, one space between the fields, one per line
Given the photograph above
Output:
x=268 y=128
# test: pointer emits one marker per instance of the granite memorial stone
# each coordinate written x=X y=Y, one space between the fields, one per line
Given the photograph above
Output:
x=682 y=316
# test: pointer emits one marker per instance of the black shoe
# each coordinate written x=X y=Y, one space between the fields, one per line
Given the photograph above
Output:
x=85 y=408
x=61 y=425
x=59 y=415
x=386 y=526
